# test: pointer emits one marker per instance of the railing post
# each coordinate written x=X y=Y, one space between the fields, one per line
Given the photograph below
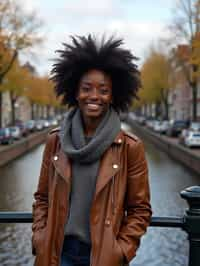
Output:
x=192 y=223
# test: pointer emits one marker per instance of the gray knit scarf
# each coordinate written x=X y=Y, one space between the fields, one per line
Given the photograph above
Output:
x=85 y=163
x=73 y=141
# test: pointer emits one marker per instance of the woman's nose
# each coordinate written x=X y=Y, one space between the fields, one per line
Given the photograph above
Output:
x=94 y=93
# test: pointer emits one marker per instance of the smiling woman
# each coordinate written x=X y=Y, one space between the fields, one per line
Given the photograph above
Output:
x=94 y=98
x=92 y=204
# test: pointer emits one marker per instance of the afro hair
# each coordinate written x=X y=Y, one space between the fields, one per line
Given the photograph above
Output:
x=86 y=53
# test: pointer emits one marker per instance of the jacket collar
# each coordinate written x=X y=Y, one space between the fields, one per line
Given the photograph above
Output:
x=109 y=165
x=119 y=138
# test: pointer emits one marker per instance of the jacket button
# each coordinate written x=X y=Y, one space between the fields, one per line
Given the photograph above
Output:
x=115 y=166
x=107 y=222
x=55 y=158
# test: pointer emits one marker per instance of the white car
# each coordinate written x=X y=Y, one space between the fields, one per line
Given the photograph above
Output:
x=157 y=126
x=54 y=122
x=46 y=123
x=39 y=125
x=164 y=126
x=195 y=126
x=16 y=132
x=150 y=123
x=161 y=126
x=192 y=139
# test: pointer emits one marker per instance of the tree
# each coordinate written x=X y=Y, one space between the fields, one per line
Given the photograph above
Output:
x=185 y=27
x=155 y=79
x=40 y=91
x=18 y=32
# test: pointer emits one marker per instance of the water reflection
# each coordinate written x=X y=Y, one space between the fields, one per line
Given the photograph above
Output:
x=160 y=246
x=18 y=181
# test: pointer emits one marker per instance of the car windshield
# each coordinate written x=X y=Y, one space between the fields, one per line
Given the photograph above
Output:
x=4 y=131
x=196 y=135
x=13 y=129
x=180 y=123
x=195 y=126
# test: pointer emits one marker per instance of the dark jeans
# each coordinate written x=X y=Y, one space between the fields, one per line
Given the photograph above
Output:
x=75 y=252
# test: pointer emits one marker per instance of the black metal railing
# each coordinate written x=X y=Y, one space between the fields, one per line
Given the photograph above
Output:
x=190 y=222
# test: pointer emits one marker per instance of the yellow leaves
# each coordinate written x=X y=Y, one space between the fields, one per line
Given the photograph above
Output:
x=155 y=76
x=41 y=90
x=15 y=79
x=19 y=30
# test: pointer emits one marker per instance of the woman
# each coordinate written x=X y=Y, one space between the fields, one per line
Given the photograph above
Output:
x=92 y=201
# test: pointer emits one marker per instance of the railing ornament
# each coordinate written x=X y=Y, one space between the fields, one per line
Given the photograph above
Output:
x=192 y=223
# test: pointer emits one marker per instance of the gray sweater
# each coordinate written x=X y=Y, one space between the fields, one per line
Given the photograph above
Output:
x=85 y=155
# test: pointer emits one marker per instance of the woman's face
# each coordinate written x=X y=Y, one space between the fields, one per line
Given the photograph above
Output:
x=94 y=94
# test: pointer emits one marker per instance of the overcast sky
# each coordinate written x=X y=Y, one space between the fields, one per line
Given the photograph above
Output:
x=139 y=22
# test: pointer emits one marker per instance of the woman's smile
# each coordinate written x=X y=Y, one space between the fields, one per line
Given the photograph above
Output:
x=94 y=95
x=93 y=106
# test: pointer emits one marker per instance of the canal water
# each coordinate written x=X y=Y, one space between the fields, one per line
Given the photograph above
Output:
x=166 y=247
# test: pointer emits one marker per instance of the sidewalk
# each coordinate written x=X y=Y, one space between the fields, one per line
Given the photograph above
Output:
x=188 y=157
x=10 y=152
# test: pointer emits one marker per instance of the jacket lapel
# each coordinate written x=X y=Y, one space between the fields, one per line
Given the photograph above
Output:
x=62 y=164
x=108 y=168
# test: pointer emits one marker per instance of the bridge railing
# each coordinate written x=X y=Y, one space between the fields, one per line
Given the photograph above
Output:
x=190 y=222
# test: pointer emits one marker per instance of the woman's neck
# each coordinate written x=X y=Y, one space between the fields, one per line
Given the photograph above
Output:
x=90 y=126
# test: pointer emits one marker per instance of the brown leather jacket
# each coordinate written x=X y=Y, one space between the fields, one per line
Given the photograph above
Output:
x=120 y=210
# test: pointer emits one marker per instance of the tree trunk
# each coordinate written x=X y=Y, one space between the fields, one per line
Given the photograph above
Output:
x=166 y=110
x=32 y=111
x=13 y=100
x=157 y=111
x=48 y=112
x=194 y=101
x=37 y=111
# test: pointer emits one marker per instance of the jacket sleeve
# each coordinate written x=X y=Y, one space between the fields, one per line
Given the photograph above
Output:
x=40 y=206
x=137 y=202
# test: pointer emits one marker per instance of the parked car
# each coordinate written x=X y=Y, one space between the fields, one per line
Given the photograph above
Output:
x=23 y=127
x=141 y=120
x=157 y=126
x=176 y=127
x=161 y=126
x=164 y=126
x=39 y=125
x=53 y=122
x=5 y=136
x=16 y=132
x=31 y=125
x=151 y=122
x=46 y=123
x=192 y=139
x=195 y=126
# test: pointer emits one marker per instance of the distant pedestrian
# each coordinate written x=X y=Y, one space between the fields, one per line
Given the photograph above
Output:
x=92 y=204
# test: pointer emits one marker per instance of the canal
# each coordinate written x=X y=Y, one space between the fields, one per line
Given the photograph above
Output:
x=166 y=247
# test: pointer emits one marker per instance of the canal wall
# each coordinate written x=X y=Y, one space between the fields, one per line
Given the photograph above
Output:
x=10 y=152
x=174 y=150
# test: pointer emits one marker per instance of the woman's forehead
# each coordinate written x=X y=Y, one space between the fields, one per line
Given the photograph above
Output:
x=94 y=75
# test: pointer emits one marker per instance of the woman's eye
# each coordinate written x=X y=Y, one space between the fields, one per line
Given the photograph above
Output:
x=85 y=89
x=104 y=91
